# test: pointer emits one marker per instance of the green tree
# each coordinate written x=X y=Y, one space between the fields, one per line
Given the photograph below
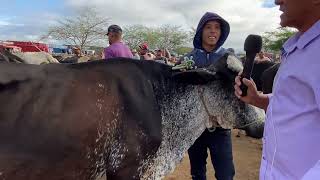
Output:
x=86 y=28
x=135 y=35
x=274 y=40
x=166 y=36
x=183 y=50
x=171 y=37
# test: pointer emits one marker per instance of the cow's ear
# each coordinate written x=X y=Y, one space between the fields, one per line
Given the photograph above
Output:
x=195 y=76
x=234 y=64
x=227 y=67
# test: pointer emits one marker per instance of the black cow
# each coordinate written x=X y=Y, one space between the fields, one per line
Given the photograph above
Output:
x=257 y=72
x=267 y=78
x=125 y=118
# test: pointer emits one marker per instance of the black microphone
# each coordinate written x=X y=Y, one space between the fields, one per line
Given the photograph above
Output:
x=252 y=46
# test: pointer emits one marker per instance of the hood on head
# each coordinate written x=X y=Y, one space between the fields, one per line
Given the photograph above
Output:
x=208 y=16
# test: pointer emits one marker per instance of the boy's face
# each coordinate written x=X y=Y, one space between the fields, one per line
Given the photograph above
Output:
x=211 y=33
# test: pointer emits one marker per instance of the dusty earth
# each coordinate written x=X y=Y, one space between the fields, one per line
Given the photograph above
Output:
x=246 y=154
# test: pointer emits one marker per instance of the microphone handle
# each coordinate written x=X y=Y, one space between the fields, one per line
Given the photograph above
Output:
x=247 y=71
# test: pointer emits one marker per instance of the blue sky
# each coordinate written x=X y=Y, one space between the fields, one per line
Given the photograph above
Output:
x=29 y=12
x=268 y=4
x=27 y=7
x=22 y=7
x=30 y=19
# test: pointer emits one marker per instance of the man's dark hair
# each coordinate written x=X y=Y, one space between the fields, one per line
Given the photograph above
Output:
x=115 y=29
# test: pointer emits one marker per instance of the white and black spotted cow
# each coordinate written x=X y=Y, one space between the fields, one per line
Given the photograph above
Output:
x=123 y=118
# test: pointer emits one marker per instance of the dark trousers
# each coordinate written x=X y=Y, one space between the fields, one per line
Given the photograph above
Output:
x=220 y=148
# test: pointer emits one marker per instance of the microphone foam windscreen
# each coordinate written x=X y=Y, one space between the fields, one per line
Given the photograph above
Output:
x=253 y=43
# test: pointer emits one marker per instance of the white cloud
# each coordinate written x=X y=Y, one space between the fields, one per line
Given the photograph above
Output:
x=4 y=23
x=245 y=16
x=27 y=28
x=7 y=21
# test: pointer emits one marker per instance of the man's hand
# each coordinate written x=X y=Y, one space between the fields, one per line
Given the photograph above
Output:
x=253 y=96
x=252 y=92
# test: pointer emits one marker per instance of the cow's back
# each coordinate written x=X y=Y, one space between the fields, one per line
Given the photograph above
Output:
x=55 y=114
x=37 y=129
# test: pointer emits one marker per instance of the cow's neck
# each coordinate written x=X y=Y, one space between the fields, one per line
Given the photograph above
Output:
x=183 y=121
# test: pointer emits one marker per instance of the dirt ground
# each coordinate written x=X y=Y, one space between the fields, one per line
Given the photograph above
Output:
x=246 y=154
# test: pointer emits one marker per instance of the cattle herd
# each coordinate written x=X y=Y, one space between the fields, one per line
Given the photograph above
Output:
x=122 y=118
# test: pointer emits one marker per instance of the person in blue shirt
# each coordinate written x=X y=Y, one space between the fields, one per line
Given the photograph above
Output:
x=211 y=34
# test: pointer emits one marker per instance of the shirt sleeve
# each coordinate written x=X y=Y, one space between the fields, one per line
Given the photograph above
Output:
x=269 y=96
x=314 y=81
x=315 y=84
x=313 y=173
x=317 y=95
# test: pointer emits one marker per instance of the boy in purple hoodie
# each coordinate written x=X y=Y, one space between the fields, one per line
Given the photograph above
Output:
x=211 y=34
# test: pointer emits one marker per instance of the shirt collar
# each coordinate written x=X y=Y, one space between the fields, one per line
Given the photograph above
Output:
x=301 y=40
